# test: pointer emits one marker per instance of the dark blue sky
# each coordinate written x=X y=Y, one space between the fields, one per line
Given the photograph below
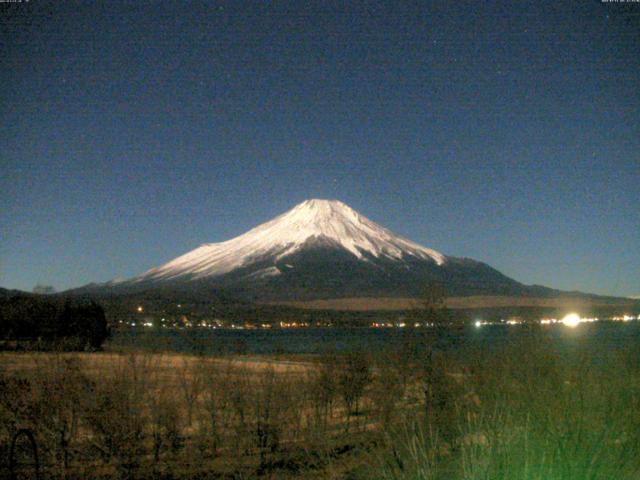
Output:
x=506 y=132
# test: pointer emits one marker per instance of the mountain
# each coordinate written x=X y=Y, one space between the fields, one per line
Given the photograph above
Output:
x=320 y=249
x=6 y=293
x=311 y=224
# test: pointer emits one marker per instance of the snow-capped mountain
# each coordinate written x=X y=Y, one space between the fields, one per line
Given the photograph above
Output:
x=329 y=221
x=318 y=249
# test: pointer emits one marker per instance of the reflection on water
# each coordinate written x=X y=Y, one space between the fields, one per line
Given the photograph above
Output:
x=606 y=335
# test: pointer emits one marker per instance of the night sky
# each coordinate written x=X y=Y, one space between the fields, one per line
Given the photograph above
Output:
x=505 y=132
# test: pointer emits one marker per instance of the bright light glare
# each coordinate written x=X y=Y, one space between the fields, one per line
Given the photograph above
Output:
x=478 y=323
x=571 y=320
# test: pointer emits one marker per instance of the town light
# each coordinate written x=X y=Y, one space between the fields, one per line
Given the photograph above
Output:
x=571 y=320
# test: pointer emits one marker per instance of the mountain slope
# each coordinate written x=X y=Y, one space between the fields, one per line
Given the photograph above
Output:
x=331 y=222
x=318 y=249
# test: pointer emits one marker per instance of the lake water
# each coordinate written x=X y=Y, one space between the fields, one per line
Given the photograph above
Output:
x=595 y=336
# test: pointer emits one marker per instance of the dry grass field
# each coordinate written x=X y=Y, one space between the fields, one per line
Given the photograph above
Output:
x=166 y=365
x=148 y=415
x=527 y=410
x=477 y=301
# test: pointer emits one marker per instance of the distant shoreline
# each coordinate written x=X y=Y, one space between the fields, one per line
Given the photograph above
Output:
x=476 y=301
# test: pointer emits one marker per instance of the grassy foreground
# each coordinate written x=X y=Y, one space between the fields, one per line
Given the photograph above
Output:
x=527 y=410
x=534 y=415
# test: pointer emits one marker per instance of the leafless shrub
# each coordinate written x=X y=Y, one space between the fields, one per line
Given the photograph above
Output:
x=440 y=393
x=64 y=388
x=164 y=423
x=129 y=418
x=116 y=414
x=388 y=389
x=16 y=409
x=215 y=416
x=192 y=383
x=353 y=375
x=324 y=388
x=50 y=401
x=238 y=397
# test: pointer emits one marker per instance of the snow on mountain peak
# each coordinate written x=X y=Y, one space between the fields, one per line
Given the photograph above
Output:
x=331 y=220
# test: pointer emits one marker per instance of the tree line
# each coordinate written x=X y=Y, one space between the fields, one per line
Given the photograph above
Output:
x=28 y=321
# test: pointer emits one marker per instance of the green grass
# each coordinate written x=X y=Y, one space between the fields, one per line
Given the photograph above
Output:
x=528 y=412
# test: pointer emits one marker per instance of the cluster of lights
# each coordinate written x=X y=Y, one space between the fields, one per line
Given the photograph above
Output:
x=399 y=325
x=217 y=325
x=294 y=324
x=510 y=321
x=625 y=318
x=382 y=325
x=570 y=320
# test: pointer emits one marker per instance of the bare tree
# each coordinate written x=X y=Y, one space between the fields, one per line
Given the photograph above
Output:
x=191 y=380
x=354 y=374
x=431 y=307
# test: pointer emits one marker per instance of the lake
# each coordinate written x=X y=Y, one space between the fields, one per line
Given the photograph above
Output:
x=594 y=336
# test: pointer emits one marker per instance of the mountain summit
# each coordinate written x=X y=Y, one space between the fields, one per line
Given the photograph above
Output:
x=328 y=222
x=320 y=249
